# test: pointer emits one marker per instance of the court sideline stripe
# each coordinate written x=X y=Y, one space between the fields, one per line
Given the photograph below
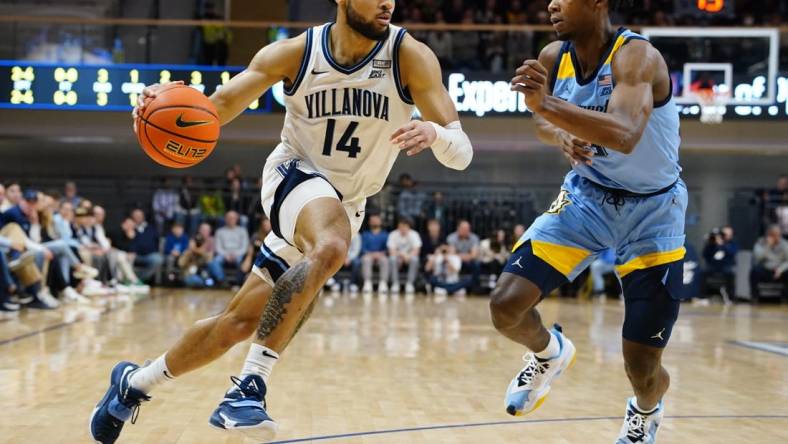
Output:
x=496 y=423
x=61 y=325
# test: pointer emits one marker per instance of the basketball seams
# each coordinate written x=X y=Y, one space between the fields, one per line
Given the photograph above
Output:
x=176 y=134
x=162 y=108
x=161 y=152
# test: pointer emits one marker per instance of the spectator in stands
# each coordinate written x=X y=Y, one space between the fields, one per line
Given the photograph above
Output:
x=194 y=263
x=493 y=254
x=353 y=262
x=175 y=244
x=231 y=244
x=216 y=39
x=778 y=200
x=235 y=200
x=404 y=245
x=437 y=210
x=15 y=224
x=70 y=194
x=145 y=246
x=432 y=240
x=515 y=14
x=720 y=256
x=254 y=211
x=444 y=268
x=770 y=262
x=453 y=11
x=211 y=203
x=410 y=201
x=7 y=283
x=188 y=211
x=13 y=195
x=2 y=195
x=121 y=266
x=374 y=251
x=165 y=204
x=466 y=46
x=441 y=43
x=466 y=244
x=604 y=264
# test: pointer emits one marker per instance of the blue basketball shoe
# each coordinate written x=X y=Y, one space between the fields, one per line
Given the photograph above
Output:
x=119 y=404
x=529 y=389
x=243 y=409
x=639 y=427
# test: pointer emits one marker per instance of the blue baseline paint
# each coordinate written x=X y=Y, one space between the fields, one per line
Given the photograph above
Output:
x=497 y=423
x=777 y=348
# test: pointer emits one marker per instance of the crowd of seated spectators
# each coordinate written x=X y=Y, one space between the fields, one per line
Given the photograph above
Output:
x=55 y=247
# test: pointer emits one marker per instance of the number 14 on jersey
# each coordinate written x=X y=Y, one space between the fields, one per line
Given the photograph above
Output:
x=346 y=143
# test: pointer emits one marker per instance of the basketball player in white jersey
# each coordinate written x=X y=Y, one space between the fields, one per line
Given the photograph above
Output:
x=350 y=87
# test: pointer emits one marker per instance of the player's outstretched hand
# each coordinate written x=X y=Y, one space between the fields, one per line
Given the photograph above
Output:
x=530 y=79
x=415 y=137
x=148 y=93
x=575 y=150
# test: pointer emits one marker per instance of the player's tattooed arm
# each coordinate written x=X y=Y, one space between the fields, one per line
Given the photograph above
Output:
x=288 y=285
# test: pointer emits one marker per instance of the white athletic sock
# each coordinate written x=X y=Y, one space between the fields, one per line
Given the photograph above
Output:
x=260 y=361
x=645 y=411
x=148 y=377
x=552 y=349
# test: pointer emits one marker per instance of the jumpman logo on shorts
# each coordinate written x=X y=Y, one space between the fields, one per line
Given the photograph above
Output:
x=659 y=335
x=517 y=262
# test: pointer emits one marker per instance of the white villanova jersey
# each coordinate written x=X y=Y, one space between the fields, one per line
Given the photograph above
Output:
x=339 y=119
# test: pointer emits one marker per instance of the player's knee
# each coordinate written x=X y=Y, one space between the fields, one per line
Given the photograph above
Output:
x=331 y=253
x=504 y=309
x=236 y=327
x=643 y=371
x=507 y=308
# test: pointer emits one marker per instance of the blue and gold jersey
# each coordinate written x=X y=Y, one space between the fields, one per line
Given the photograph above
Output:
x=654 y=164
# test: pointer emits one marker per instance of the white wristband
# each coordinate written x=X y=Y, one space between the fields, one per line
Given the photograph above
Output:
x=452 y=147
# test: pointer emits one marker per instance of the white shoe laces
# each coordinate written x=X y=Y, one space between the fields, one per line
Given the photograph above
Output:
x=636 y=426
x=532 y=370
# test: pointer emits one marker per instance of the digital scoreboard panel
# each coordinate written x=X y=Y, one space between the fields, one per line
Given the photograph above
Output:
x=111 y=87
x=27 y=85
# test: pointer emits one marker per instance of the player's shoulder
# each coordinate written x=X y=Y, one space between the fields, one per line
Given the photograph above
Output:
x=413 y=53
x=548 y=56
x=635 y=55
x=282 y=56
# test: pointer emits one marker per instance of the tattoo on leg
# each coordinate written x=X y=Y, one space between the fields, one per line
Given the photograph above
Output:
x=290 y=283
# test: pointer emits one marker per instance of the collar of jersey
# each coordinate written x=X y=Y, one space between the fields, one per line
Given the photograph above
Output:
x=581 y=81
x=337 y=66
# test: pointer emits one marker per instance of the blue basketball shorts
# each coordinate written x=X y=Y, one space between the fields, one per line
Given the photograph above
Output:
x=646 y=232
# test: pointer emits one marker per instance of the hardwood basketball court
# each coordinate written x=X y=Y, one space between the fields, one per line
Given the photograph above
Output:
x=397 y=372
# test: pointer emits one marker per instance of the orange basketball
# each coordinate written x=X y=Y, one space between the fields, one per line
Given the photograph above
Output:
x=180 y=127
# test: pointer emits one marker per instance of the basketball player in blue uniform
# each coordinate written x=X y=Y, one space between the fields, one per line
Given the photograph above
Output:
x=351 y=88
x=603 y=96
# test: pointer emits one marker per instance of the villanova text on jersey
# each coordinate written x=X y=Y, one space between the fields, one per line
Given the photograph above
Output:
x=347 y=102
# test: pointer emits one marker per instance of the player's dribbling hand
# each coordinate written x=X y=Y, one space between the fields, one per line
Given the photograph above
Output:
x=530 y=79
x=415 y=136
x=575 y=150
x=148 y=93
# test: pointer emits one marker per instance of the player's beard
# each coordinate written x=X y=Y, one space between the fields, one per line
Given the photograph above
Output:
x=365 y=28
